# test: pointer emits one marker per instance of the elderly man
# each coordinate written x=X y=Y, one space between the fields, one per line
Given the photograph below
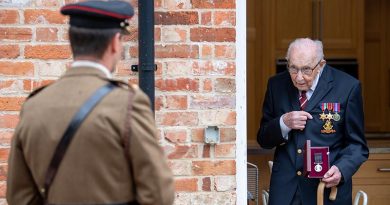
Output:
x=89 y=139
x=296 y=106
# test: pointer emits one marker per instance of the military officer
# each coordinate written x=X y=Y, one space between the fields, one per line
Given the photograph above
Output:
x=114 y=156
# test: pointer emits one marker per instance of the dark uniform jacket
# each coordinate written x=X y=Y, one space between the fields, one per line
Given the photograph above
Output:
x=94 y=169
x=348 y=149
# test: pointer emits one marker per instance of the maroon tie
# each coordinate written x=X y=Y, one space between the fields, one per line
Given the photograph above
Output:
x=303 y=100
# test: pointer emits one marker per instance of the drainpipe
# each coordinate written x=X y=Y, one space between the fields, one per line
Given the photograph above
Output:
x=146 y=63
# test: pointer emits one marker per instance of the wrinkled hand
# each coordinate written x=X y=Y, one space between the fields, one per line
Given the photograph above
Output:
x=296 y=119
x=332 y=177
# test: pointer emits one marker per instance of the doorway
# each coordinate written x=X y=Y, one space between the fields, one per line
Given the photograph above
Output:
x=356 y=38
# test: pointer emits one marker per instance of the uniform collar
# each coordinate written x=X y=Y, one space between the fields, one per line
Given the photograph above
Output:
x=91 y=64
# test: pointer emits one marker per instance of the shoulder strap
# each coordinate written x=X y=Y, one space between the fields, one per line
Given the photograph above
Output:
x=78 y=118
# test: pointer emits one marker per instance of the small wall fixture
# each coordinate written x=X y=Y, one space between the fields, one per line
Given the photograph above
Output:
x=211 y=135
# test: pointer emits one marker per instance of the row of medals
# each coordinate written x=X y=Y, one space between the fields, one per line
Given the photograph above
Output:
x=328 y=127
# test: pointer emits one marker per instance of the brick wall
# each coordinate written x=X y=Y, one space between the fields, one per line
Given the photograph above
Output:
x=195 y=83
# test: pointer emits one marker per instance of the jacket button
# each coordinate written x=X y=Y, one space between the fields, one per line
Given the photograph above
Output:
x=299 y=151
x=299 y=173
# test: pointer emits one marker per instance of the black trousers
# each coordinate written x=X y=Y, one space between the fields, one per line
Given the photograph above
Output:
x=297 y=198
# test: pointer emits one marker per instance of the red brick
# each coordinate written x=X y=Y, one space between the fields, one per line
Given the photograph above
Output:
x=178 y=68
x=11 y=103
x=228 y=134
x=221 y=167
x=9 y=17
x=207 y=51
x=222 y=18
x=132 y=37
x=16 y=68
x=157 y=34
x=46 y=3
x=181 y=151
x=206 y=184
x=6 y=84
x=176 y=102
x=197 y=135
x=212 y=102
x=133 y=52
x=207 y=85
x=3 y=188
x=158 y=103
x=8 y=121
x=9 y=51
x=225 y=85
x=225 y=150
x=180 y=167
x=43 y=16
x=217 y=117
x=47 y=52
x=29 y=85
x=214 y=67
x=3 y=172
x=228 y=52
x=224 y=183
x=178 y=118
x=179 y=84
x=176 y=18
x=47 y=34
x=5 y=137
x=174 y=35
x=175 y=136
x=206 y=151
x=213 y=34
x=206 y=18
x=215 y=4
x=177 y=51
x=22 y=34
x=123 y=68
x=186 y=185
x=177 y=4
x=4 y=152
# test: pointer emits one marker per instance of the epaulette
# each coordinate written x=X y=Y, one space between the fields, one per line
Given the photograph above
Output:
x=36 y=91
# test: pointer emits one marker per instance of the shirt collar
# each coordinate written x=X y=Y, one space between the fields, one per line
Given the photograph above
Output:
x=91 y=64
x=315 y=82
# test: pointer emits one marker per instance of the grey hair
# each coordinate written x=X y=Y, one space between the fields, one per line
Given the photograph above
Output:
x=304 y=43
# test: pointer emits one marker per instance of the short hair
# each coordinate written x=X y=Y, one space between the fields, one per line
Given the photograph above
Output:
x=90 y=42
x=306 y=42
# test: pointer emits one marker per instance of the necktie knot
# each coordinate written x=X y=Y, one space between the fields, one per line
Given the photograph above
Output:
x=303 y=100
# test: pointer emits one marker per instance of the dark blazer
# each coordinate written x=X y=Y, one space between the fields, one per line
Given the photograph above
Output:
x=348 y=148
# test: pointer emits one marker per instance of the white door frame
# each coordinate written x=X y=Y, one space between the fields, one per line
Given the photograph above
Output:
x=241 y=126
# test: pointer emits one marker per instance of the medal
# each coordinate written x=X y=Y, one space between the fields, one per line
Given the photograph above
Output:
x=336 y=116
x=328 y=127
x=323 y=115
x=329 y=116
x=317 y=162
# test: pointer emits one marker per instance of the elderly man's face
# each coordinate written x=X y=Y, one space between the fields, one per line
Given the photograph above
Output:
x=303 y=68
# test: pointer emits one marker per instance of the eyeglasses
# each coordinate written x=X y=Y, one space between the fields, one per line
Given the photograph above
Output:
x=305 y=70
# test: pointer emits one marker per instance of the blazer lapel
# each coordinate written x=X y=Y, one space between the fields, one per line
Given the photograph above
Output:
x=324 y=86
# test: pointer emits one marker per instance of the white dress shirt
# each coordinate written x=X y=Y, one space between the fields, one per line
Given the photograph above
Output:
x=91 y=64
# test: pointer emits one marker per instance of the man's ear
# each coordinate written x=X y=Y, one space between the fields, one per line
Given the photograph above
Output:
x=116 y=43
